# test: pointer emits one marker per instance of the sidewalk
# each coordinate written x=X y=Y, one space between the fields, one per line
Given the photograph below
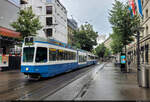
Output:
x=111 y=84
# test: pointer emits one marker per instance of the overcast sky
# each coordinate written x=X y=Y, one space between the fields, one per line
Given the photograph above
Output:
x=93 y=11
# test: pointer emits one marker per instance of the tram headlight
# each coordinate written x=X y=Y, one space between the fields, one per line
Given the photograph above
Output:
x=27 y=69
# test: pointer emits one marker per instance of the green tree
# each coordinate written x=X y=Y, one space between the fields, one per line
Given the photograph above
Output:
x=116 y=45
x=123 y=25
x=27 y=23
x=107 y=52
x=100 y=50
x=85 y=37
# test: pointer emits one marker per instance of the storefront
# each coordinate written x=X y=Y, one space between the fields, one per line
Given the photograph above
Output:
x=8 y=40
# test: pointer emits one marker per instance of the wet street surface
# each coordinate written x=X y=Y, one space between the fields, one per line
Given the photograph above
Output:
x=98 y=82
x=111 y=84
x=14 y=85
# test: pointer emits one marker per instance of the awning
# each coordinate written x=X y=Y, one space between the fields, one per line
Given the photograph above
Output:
x=9 y=33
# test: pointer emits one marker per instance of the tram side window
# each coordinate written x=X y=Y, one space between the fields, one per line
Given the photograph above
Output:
x=52 y=54
x=41 y=55
x=28 y=54
x=61 y=55
x=82 y=58
x=74 y=56
x=65 y=55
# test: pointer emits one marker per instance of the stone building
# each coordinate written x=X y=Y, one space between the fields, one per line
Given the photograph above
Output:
x=108 y=42
x=72 y=26
x=144 y=38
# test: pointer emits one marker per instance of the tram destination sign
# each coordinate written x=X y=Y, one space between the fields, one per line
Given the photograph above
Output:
x=28 y=41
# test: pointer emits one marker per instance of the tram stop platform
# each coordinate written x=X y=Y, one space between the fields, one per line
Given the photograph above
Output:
x=112 y=84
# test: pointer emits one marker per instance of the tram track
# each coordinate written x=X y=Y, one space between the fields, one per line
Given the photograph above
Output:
x=52 y=88
x=39 y=89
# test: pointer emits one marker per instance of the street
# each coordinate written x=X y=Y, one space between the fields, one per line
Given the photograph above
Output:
x=13 y=84
x=98 y=82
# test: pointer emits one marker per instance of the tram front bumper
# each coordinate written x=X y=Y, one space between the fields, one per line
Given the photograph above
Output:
x=31 y=69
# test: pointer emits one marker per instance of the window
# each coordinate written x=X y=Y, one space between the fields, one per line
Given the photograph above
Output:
x=28 y=54
x=146 y=53
x=49 y=32
x=49 y=10
x=39 y=10
x=52 y=54
x=49 y=21
x=60 y=55
x=48 y=1
x=146 y=13
x=146 y=30
x=41 y=55
x=82 y=58
x=23 y=1
x=142 y=2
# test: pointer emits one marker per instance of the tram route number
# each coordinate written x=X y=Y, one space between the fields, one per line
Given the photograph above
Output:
x=28 y=44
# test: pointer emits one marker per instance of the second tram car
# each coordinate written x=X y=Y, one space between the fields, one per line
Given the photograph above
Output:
x=42 y=58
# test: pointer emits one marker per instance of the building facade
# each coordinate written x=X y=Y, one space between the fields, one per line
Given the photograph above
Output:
x=8 y=14
x=72 y=27
x=53 y=17
x=108 y=42
x=8 y=37
x=144 y=38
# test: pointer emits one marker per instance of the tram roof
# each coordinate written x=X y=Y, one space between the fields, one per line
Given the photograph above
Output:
x=56 y=42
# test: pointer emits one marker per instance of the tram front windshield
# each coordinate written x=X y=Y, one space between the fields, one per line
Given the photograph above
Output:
x=28 y=54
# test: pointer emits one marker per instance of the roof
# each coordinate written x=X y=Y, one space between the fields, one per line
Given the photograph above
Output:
x=9 y=33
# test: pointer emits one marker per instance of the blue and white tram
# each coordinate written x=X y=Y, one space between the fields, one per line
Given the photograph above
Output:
x=42 y=58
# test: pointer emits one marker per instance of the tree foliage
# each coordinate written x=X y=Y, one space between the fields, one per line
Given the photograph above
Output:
x=102 y=51
x=85 y=37
x=27 y=23
x=116 y=45
x=123 y=25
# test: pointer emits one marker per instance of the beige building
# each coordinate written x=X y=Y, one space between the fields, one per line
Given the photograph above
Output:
x=108 y=42
x=144 y=39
